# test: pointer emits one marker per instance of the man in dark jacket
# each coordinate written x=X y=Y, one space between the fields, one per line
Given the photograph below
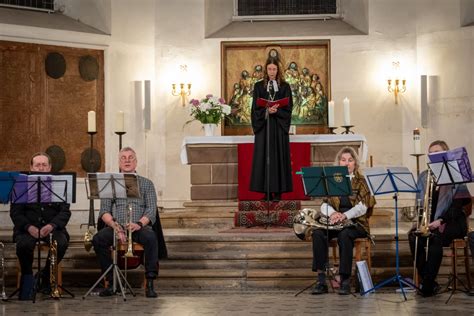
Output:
x=33 y=221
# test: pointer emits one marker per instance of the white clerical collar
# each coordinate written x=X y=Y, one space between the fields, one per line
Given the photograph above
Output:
x=275 y=85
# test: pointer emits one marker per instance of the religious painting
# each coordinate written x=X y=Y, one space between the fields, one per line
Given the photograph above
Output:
x=305 y=66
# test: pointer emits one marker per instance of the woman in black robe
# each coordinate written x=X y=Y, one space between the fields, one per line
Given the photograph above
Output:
x=272 y=87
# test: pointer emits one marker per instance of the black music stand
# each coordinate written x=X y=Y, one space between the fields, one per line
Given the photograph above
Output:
x=113 y=186
x=449 y=170
x=40 y=188
x=326 y=182
x=391 y=180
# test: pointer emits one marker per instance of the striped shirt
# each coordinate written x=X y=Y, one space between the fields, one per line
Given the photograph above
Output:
x=144 y=206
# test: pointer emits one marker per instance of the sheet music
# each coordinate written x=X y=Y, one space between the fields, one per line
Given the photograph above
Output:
x=378 y=180
x=403 y=178
x=110 y=182
x=441 y=173
x=388 y=180
x=364 y=276
x=62 y=188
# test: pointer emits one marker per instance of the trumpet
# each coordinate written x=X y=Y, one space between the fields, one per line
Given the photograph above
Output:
x=129 y=252
x=2 y=264
x=53 y=268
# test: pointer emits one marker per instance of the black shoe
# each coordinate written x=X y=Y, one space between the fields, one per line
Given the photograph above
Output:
x=27 y=287
x=320 y=288
x=345 y=288
x=107 y=292
x=149 y=291
x=276 y=197
x=429 y=288
x=471 y=292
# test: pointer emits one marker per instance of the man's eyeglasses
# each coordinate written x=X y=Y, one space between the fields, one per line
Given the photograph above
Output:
x=129 y=158
x=39 y=165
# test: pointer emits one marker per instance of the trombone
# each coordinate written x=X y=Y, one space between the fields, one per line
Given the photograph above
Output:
x=422 y=229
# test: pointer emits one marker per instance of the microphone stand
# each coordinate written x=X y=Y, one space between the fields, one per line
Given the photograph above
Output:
x=270 y=89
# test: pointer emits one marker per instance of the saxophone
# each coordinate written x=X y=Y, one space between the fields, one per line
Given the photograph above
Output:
x=2 y=266
x=309 y=219
x=53 y=268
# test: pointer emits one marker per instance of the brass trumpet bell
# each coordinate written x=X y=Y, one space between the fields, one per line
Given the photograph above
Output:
x=88 y=240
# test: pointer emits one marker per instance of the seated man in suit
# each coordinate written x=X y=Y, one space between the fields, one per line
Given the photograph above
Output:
x=33 y=221
x=143 y=216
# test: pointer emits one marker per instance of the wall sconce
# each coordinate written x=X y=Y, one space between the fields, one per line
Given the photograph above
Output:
x=183 y=92
x=396 y=88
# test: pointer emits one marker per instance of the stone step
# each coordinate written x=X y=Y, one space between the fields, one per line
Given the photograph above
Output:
x=211 y=258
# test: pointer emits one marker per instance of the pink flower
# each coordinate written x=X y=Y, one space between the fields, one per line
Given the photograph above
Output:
x=194 y=102
x=221 y=101
x=208 y=96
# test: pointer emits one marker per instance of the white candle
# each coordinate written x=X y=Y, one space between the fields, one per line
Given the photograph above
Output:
x=331 y=114
x=120 y=122
x=347 y=112
x=417 y=141
x=91 y=127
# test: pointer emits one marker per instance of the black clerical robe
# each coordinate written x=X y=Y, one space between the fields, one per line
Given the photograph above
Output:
x=280 y=163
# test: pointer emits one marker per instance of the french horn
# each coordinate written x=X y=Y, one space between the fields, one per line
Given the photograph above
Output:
x=309 y=219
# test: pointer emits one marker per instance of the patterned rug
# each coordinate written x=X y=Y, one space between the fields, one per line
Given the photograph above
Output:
x=259 y=213
x=259 y=230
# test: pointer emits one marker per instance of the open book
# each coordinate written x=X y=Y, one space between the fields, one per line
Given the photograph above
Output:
x=264 y=103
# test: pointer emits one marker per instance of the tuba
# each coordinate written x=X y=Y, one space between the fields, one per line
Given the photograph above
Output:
x=53 y=268
x=2 y=267
x=309 y=219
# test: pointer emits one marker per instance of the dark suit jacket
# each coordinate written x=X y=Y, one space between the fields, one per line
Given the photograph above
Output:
x=23 y=215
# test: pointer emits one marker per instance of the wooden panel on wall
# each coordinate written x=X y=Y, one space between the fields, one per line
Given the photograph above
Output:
x=37 y=111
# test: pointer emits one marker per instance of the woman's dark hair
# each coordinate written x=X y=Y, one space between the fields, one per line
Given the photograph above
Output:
x=279 y=76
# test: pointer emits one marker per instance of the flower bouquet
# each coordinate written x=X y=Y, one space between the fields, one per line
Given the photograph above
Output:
x=209 y=110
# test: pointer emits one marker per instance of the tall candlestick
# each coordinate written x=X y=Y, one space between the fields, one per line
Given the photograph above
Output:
x=91 y=126
x=347 y=112
x=120 y=122
x=331 y=114
x=417 y=141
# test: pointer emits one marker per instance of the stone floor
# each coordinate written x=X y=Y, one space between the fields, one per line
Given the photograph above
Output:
x=257 y=302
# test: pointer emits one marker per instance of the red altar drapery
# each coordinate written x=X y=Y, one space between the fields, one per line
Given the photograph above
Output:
x=300 y=157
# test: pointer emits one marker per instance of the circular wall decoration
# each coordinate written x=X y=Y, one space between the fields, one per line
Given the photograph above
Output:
x=88 y=68
x=90 y=162
x=58 y=157
x=55 y=65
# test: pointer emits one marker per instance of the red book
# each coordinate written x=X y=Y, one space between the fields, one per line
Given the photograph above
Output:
x=261 y=102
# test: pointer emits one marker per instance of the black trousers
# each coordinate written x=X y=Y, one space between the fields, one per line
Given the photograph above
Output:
x=345 y=241
x=471 y=243
x=25 y=246
x=103 y=240
x=428 y=269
